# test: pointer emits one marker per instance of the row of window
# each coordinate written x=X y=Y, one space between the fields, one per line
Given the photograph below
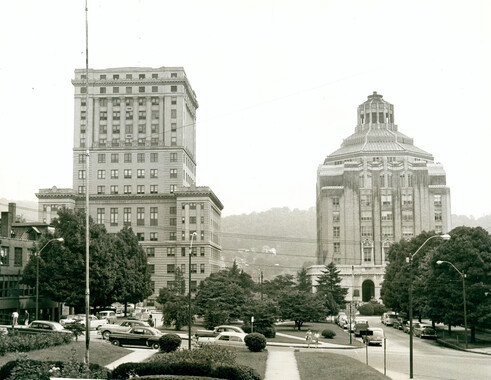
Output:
x=171 y=268
x=140 y=173
x=171 y=251
x=127 y=157
x=142 y=115
x=154 y=236
x=142 y=128
x=386 y=200
x=5 y=256
x=129 y=89
x=115 y=142
x=127 y=189
x=129 y=102
x=140 y=216
x=129 y=76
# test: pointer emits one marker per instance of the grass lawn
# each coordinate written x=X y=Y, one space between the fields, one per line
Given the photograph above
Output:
x=101 y=353
x=324 y=365
x=256 y=360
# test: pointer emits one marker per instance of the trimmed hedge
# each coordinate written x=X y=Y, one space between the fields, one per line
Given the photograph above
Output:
x=267 y=331
x=125 y=370
x=169 y=342
x=30 y=342
x=327 y=333
x=255 y=342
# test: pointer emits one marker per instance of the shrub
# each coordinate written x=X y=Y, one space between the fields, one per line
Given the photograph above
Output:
x=29 y=342
x=366 y=309
x=267 y=331
x=207 y=353
x=169 y=342
x=76 y=328
x=379 y=309
x=255 y=342
x=327 y=333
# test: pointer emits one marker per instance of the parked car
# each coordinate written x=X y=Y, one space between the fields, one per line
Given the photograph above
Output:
x=230 y=338
x=377 y=336
x=38 y=326
x=428 y=332
x=388 y=318
x=399 y=322
x=70 y=318
x=137 y=336
x=122 y=326
x=109 y=315
x=217 y=330
x=418 y=328
x=341 y=318
x=360 y=325
x=405 y=327
x=95 y=322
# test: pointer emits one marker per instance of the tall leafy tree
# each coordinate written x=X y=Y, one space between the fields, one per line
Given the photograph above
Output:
x=303 y=281
x=301 y=307
x=329 y=287
x=174 y=301
x=279 y=283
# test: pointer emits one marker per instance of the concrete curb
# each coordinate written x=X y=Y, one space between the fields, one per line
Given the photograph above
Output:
x=455 y=347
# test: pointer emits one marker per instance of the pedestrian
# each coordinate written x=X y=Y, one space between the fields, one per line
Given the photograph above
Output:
x=26 y=318
x=316 y=338
x=308 y=338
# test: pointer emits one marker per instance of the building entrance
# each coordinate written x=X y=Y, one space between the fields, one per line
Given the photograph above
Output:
x=367 y=290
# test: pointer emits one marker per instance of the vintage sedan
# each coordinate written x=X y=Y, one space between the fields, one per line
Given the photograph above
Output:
x=376 y=337
x=230 y=338
x=137 y=336
x=122 y=326
x=42 y=327
x=206 y=334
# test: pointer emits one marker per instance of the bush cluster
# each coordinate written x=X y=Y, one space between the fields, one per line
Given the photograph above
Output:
x=255 y=342
x=169 y=342
x=267 y=331
x=27 y=369
x=231 y=372
x=327 y=333
x=372 y=308
x=211 y=354
x=28 y=342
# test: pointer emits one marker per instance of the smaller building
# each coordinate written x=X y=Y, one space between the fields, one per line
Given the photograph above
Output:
x=17 y=242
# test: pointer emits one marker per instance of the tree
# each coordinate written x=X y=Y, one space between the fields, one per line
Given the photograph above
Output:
x=175 y=308
x=274 y=287
x=62 y=266
x=303 y=281
x=469 y=250
x=328 y=286
x=301 y=307
x=221 y=295
x=133 y=281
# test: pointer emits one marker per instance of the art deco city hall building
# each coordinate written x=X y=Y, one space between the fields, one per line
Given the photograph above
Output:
x=376 y=189
x=139 y=127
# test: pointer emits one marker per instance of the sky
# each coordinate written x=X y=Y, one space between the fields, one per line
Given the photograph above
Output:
x=278 y=84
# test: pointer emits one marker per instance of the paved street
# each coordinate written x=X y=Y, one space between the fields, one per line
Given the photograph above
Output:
x=431 y=361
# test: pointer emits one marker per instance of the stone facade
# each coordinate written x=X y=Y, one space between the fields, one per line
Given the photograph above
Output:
x=376 y=189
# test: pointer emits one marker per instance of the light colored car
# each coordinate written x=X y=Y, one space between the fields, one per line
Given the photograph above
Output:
x=230 y=338
x=417 y=328
x=217 y=330
x=389 y=318
x=377 y=336
x=109 y=315
x=95 y=322
x=123 y=326
x=70 y=318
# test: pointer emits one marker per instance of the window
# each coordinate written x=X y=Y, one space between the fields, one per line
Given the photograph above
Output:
x=407 y=215
x=141 y=89
x=127 y=157
x=83 y=90
x=81 y=174
x=407 y=199
x=173 y=88
x=81 y=158
x=365 y=200
x=173 y=173
x=142 y=115
x=407 y=232
x=129 y=115
x=193 y=286
x=127 y=216
x=387 y=232
x=386 y=215
x=173 y=157
x=116 y=130
x=82 y=142
x=140 y=236
x=173 y=127
x=128 y=90
x=155 y=100
x=438 y=216
x=103 y=102
x=335 y=202
x=114 y=189
x=154 y=157
x=173 y=75
x=127 y=173
x=173 y=114
x=173 y=188
x=141 y=129
x=153 y=236
x=100 y=215
x=173 y=141
x=183 y=251
x=114 y=174
x=171 y=251
x=129 y=76
x=140 y=157
x=4 y=255
x=153 y=173
x=367 y=254
x=194 y=268
x=437 y=200
x=101 y=174
x=336 y=231
x=172 y=236
x=173 y=210
x=81 y=189
x=335 y=217
x=192 y=220
x=150 y=251
x=171 y=268
x=336 y=247
x=116 y=115
x=140 y=216
x=113 y=216
x=202 y=220
x=155 y=115
x=382 y=180
x=387 y=200
x=202 y=251
x=173 y=101
x=127 y=189
x=153 y=189
x=140 y=173
x=366 y=231
x=101 y=189
x=101 y=158
x=102 y=90
x=17 y=256
x=366 y=215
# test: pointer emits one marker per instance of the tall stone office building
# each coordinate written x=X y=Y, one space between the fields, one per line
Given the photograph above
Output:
x=376 y=189
x=139 y=127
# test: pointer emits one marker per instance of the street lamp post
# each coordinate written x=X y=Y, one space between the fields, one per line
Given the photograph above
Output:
x=38 y=256
x=189 y=290
x=410 y=261
x=462 y=274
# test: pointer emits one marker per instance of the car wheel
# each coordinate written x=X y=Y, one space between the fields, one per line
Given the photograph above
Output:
x=106 y=334
x=116 y=342
x=155 y=346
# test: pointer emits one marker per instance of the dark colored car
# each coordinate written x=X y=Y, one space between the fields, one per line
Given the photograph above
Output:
x=399 y=323
x=428 y=332
x=137 y=336
x=43 y=327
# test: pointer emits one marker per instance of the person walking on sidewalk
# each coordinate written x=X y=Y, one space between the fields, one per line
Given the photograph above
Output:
x=308 y=338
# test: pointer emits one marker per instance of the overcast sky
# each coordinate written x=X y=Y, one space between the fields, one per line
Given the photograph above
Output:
x=278 y=86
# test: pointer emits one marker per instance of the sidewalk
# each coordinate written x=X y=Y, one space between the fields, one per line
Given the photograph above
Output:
x=138 y=355
x=281 y=364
